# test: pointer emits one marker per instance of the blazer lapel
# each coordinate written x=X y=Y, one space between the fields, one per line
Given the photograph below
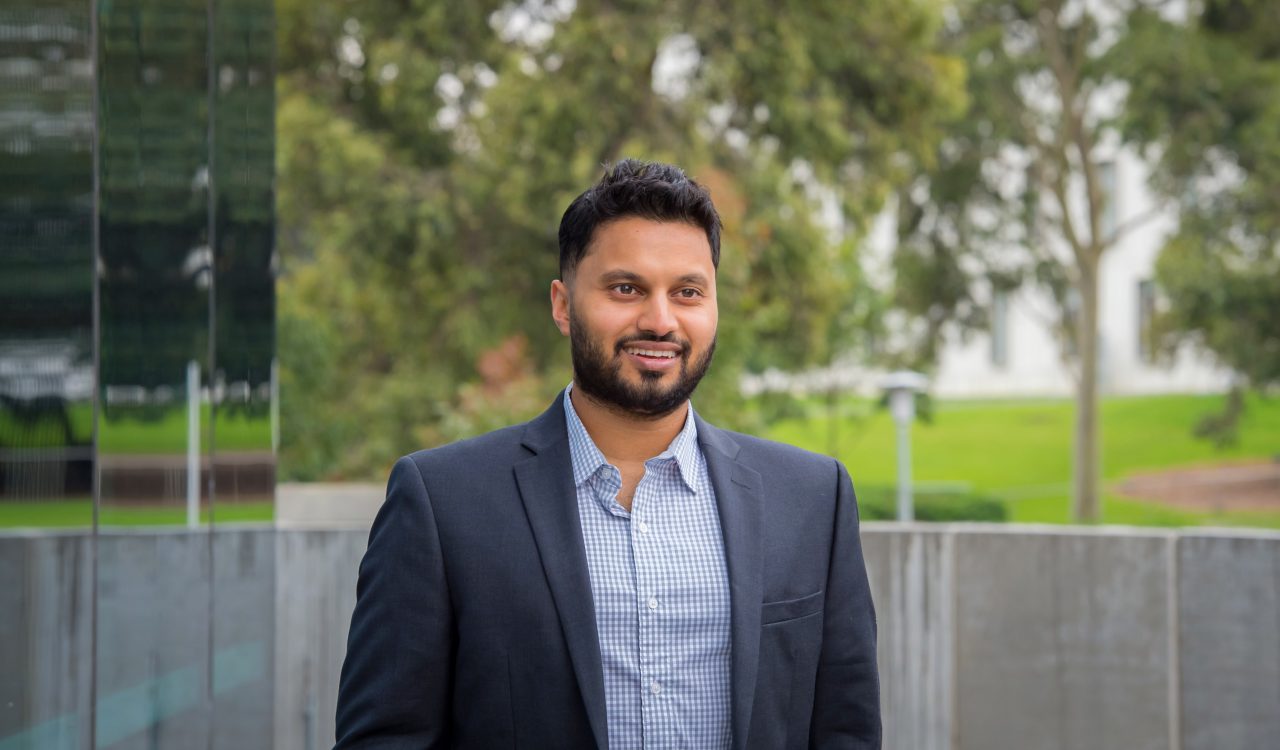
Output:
x=550 y=501
x=737 y=488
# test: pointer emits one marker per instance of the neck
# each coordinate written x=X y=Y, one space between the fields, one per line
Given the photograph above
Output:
x=623 y=436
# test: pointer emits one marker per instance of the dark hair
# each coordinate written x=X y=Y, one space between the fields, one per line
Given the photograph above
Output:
x=649 y=190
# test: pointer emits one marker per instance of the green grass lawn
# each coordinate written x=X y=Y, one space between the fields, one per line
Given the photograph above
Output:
x=1020 y=451
x=1016 y=450
x=168 y=434
x=79 y=514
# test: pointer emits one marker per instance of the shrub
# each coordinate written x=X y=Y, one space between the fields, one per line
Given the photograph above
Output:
x=879 y=503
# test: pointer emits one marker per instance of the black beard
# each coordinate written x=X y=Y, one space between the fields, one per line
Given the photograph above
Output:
x=599 y=377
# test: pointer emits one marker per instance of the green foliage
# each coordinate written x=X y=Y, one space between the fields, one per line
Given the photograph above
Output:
x=1018 y=193
x=1227 y=302
x=1205 y=103
x=427 y=150
x=1013 y=194
x=877 y=503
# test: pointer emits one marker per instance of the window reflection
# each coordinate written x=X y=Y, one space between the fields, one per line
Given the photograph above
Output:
x=245 y=237
x=155 y=262
x=46 y=372
x=137 y=342
x=46 y=265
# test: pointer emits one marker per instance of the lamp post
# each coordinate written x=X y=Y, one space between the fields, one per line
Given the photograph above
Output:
x=902 y=387
x=193 y=444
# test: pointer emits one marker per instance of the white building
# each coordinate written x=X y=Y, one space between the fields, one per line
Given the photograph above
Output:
x=1021 y=356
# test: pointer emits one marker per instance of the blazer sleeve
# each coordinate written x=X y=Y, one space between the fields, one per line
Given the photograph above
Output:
x=846 y=710
x=395 y=688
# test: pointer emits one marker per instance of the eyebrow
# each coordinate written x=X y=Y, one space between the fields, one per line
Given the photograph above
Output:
x=613 y=277
x=693 y=279
x=620 y=276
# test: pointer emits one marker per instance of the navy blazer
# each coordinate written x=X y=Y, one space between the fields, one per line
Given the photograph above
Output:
x=474 y=624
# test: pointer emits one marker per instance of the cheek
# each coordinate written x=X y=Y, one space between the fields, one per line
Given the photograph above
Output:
x=704 y=327
x=608 y=325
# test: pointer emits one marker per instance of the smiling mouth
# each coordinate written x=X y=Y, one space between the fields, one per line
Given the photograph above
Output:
x=652 y=353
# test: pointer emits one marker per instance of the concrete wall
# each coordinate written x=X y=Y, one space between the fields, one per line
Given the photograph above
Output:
x=1228 y=634
x=46 y=640
x=1045 y=637
x=912 y=576
x=991 y=637
x=317 y=593
x=183 y=639
x=321 y=505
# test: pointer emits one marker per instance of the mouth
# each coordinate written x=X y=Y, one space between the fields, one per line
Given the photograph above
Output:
x=652 y=355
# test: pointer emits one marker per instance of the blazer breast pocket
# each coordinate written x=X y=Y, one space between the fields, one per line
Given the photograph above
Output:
x=774 y=613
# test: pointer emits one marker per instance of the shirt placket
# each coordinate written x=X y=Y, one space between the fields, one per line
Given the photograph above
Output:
x=650 y=603
x=606 y=486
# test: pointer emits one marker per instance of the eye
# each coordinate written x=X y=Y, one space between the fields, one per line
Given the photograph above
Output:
x=625 y=289
x=689 y=293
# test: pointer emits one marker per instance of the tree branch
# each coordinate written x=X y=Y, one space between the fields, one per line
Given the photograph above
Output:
x=1128 y=226
x=1057 y=185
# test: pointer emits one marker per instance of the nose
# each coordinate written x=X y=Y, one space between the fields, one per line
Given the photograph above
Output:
x=657 y=317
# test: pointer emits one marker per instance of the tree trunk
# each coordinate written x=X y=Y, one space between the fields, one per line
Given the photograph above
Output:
x=1085 y=498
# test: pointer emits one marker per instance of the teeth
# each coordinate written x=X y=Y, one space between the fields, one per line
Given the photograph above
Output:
x=651 y=353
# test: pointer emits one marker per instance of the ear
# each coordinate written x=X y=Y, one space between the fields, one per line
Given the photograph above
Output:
x=560 y=305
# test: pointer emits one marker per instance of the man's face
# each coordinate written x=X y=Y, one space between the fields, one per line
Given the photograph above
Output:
x=641 y=314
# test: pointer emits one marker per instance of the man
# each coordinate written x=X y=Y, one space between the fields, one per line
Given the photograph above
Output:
x=617 y=573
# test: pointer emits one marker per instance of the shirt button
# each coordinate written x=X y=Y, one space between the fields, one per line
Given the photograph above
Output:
x=653 y=604
x=655 y=688
x=644 y=527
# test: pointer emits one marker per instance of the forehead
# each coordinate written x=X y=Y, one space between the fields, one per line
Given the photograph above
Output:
x=647 y=246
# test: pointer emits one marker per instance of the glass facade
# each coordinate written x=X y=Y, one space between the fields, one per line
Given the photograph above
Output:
x=46 y=261
x=137 y=388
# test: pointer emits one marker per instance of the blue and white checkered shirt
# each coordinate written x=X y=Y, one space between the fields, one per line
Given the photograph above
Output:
x=661 y=591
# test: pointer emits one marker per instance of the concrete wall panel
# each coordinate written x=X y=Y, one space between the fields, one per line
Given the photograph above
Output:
x=244 y=615
x=1229 y=638
x=1062 y=640
x=46 y=631
x=154 y=639
x=316 y=594
x=910 y=572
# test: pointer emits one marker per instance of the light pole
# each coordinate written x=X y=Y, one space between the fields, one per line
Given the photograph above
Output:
x=902 y=387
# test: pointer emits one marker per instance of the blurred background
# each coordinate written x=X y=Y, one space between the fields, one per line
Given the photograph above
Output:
x=251 y=252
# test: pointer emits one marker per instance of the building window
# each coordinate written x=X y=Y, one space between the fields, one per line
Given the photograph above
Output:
x=1031 y=201
x=1000 y=328
x=1107 y=186
x=1070 y=322
x=1146 y=321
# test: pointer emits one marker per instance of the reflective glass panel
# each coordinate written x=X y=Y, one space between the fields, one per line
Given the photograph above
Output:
x=46 y=265
x=155 y=556
x=46 y=372
x=243 y=456
x=244 y=242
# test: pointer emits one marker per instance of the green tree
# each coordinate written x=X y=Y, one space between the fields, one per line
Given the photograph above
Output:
x=1205 y=103
x=427 y=150
x=1019 y=191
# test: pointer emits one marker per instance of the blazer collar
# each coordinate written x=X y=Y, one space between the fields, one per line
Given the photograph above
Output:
x=547 y=489
x=546 y=486
x=737 y=489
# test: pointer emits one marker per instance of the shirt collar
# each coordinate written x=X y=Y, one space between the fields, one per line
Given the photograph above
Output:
x=587 y=458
